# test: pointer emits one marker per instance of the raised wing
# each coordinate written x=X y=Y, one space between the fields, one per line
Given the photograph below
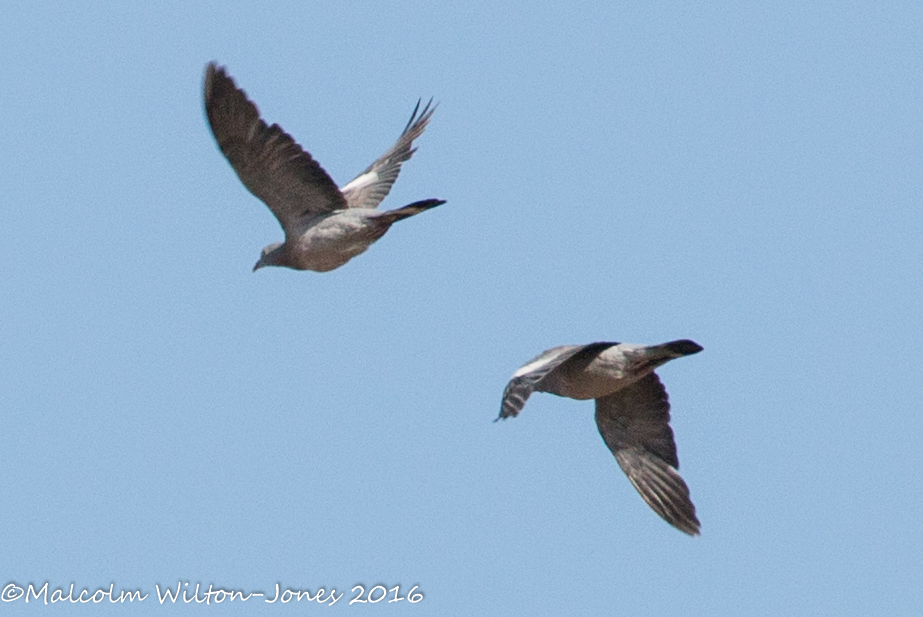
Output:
x=267 y=160
x=635 y=424
x=528 y=377
x=369 y=188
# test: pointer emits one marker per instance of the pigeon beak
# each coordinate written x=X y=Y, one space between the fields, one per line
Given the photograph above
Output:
x=256 y=267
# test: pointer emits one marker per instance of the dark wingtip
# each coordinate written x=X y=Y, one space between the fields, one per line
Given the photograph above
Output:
x=690 y=525
x=504 y=414
x=423 y=116
x=413 y=117
x=684 y=347
x=216 y=77
x=211 y=69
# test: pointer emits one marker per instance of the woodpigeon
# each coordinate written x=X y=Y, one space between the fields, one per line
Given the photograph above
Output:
x=324 y=226
x=632 y=412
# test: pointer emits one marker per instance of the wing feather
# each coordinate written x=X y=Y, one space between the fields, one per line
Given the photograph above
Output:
x=529 y=376
x=635 y=424
x=369 y=188
x=267 y=160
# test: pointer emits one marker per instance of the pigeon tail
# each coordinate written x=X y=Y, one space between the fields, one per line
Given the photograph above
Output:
x=678 y=349
x=409 y=210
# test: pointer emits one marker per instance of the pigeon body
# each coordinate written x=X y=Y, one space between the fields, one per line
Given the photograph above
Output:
x=632 y=412
x=324 y=226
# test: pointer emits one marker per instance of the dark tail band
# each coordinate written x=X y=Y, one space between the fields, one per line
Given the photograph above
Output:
x=684 y=347
x=415 y=208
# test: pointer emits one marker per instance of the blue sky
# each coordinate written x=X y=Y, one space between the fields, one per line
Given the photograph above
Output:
x=747 y=175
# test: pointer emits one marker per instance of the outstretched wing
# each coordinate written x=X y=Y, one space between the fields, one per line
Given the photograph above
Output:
x=635 y=424
x=528 y=377
x=369 y=188
x=267 y=160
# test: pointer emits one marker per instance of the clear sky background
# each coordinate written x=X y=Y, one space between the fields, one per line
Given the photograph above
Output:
x=747 y=175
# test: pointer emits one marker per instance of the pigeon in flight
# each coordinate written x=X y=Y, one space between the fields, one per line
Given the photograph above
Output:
x=324 y=226
x=632 y=412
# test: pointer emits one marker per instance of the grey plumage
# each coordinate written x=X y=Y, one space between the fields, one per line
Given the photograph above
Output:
x=324 y=226
x=632 y=412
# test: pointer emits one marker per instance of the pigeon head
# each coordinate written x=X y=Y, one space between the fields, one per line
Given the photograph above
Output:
x=272 y=256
